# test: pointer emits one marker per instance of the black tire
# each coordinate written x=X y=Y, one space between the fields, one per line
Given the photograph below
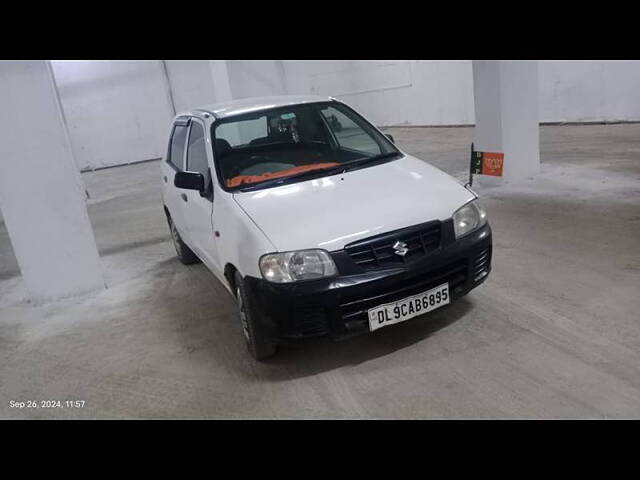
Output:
x=184 y=253
x=258 y=341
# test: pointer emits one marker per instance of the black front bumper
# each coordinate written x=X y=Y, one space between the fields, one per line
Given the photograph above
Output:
x=338 y=306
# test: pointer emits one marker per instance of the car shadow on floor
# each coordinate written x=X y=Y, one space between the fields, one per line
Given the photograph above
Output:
x=314 y=356
x=216 y=339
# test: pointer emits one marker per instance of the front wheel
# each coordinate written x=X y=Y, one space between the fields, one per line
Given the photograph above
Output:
x=259 y=344
x=184 y=253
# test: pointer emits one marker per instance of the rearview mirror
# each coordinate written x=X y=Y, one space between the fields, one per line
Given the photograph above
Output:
x=189 y=181
x=390 y=137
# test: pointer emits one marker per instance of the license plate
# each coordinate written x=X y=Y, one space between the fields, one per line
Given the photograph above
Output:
x=396 y=312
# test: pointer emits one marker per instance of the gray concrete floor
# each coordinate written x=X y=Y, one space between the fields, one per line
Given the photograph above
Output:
x=553 y=333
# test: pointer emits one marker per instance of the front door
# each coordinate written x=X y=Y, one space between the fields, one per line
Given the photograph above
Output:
x=172 y=195
x=199 y=205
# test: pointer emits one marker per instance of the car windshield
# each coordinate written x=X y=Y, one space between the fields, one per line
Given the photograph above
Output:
x=287 y=144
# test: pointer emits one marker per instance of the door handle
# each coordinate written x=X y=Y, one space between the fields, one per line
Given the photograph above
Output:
x=165 y=179
x=183 y=196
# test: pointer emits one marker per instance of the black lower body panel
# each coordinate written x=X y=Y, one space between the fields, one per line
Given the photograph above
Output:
x=338 y=306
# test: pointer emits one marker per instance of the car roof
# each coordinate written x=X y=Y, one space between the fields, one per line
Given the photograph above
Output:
x=246 y=105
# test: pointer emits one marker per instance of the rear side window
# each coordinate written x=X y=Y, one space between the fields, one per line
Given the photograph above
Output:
x=176 y=151
x=197 y=153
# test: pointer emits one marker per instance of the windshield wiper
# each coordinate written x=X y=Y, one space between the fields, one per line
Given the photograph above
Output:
x=363 y=161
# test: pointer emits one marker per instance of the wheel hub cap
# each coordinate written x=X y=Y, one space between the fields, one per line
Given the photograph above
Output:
x=243 y=315
x=175 y=237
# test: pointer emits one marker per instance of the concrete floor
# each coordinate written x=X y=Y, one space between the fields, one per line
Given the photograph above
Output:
x=553 y=333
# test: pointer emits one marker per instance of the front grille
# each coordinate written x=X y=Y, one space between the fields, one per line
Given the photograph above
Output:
x=481 y=264
x=379 y=251
x=356 y=308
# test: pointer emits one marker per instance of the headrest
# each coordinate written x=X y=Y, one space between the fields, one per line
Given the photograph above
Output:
x=222 y=146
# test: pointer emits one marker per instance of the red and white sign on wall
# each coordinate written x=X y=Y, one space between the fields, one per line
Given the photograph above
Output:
x=486 y=163
x=492 y=163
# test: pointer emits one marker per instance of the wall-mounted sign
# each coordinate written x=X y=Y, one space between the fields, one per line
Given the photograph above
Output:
x=486 y=163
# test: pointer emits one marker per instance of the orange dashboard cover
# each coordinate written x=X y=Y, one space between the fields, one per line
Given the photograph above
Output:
x=240 y=179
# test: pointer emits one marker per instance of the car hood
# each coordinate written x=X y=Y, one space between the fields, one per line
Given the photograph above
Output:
x=330 y=212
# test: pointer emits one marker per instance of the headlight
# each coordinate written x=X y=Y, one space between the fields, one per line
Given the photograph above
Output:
x=289 y=267
x=468 y=218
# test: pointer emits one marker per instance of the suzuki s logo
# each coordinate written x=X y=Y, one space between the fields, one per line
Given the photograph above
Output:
x=400 y=248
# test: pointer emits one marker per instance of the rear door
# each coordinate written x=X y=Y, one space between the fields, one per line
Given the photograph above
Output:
x=173 y=197
x=199 y=205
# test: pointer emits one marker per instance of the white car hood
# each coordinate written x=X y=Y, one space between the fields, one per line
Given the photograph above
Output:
x=333 y=211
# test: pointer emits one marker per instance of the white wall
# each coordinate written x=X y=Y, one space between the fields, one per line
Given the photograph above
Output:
x=116 y=111
x=191 y=83
x=441 y=92
x=257 y=78
x=586 y=91
x=392 y=92
x=119 y=112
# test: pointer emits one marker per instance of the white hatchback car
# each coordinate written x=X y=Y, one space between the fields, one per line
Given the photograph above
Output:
x=315 y=221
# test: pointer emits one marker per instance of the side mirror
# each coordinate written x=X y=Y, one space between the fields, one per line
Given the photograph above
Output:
x=189 y=181
x=390 y=137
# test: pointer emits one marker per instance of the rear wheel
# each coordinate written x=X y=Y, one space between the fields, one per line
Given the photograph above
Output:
x=185 y=254
x=259 y=343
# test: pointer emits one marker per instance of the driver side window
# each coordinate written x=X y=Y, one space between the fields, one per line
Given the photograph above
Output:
x=176 y=150
x=197 y=152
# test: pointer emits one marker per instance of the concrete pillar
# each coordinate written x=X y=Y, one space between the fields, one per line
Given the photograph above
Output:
x=169 y=89
x=41 y=192
x=506 y=108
